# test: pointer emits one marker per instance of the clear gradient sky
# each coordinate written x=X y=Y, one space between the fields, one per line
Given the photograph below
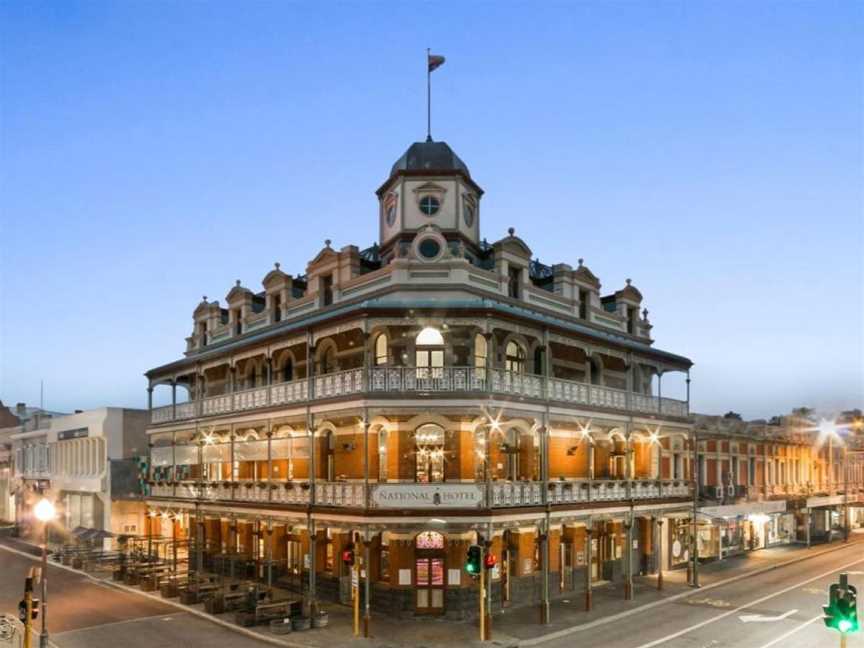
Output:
x=154 y=152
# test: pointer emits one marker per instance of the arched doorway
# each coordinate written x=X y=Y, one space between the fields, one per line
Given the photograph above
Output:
x=429 y=570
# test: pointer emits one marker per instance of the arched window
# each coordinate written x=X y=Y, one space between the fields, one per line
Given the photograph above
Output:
x=515 y=358
x=429 y=453
x=381 y=350
x=288 y=370
x=481 y=351
x=327 y=364
x=429 y=355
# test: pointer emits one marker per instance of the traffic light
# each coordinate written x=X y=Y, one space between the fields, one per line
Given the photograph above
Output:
x=22 y=610
x=841 y=613
x=473 y=560
x=348 y=555
x=490 y=560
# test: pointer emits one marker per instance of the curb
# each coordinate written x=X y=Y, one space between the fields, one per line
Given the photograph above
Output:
x=558 y=634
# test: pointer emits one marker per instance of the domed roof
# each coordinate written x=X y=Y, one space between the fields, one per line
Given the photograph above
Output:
x=429 y=156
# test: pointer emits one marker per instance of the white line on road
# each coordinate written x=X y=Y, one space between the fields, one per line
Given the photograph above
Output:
x=760 y=618
x=791 y=632
x=113 y=623
x=675 y=635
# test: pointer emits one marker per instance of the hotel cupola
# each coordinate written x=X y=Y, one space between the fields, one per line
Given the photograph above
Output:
x=428 y=203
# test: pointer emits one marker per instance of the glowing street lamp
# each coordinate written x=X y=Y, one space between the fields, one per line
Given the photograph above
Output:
x=45 y=513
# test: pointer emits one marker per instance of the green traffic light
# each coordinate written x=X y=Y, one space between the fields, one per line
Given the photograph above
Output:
x=844 y=626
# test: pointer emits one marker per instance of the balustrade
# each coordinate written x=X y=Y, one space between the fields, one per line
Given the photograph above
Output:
x=454 y=380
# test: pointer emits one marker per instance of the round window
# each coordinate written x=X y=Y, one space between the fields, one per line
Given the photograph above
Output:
x=429 y=248
x=391 y=215
x=430 y=205
x=468 y=215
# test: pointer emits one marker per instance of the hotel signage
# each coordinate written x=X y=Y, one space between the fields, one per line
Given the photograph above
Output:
x=427 y=496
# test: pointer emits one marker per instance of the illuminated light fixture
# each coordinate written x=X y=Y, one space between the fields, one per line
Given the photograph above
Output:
x=585 y=431
x=654 y=435
x=758 y=518
x=44 y=510
x=430 y=336
x=495 y=423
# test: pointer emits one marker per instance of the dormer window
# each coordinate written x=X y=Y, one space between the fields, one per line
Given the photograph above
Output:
x=202 y=333
x=583 y=304
x=632 y=317
x=277 y=307
x=327 y=290
x=430 y=205
x=238 y=322
x=514 y=282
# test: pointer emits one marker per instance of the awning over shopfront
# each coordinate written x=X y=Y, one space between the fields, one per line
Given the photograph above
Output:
x=748 y=508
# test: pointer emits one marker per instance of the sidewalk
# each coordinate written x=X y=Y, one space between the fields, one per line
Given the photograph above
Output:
x=516 y=627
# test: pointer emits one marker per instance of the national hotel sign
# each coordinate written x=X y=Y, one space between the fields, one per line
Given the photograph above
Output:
x=427 y=496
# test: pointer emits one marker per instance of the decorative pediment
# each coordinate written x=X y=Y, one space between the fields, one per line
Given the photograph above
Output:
x=238 y=293
x=325 y=255
x=630 y=293
x=585 y=275
x=204 y=307
x=275 y=277
x=514 y=244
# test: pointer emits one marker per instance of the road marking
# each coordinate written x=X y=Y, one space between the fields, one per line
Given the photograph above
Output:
x=791 y=632
x=701 y=624
x=756 y=618
x=110 y=624
x=718 y=603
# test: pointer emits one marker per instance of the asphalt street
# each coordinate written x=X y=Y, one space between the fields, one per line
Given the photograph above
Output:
x=87 y=614
x=781 y=608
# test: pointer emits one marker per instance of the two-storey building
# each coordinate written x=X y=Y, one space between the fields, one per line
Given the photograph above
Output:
x=415 y=397
x=762 y=484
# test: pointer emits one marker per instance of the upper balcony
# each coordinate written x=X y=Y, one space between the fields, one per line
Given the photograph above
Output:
x=420 y=382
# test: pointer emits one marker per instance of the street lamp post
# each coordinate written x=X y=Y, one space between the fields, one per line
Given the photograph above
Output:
x=44 y=513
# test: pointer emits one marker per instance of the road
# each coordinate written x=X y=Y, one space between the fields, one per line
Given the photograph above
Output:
x=83 y=613
x=781 y=608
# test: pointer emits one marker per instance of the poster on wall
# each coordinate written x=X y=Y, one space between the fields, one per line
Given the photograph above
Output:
x=404 y=576
x=580 y=557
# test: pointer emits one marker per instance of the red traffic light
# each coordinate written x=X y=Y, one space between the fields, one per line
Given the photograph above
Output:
x=348 y=557
x=490 y=560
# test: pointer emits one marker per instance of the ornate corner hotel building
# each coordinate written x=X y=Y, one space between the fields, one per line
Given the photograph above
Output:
x=415 y=397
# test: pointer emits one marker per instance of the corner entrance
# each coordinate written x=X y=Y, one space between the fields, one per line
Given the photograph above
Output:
x=429 y=568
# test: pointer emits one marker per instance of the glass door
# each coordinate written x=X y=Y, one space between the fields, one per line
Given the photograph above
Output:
x=430 y=585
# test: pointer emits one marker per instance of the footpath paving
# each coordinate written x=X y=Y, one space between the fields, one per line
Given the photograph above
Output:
x=512 y=627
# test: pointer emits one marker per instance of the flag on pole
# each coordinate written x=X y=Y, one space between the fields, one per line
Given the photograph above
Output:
x=435 y=61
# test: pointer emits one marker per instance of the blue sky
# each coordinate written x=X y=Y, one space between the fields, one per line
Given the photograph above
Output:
x=154 y=152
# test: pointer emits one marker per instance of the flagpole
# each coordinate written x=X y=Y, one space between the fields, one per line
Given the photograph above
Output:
x=428 y=98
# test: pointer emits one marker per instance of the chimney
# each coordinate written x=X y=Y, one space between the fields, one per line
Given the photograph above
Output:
x=20 y=407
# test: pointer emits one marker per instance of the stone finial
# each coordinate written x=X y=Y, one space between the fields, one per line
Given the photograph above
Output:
x=276 y=265
x=628 y=281
x=581 y=261
x=645 y=313
x=327 y=243
x=237 y=283
x=511 y=231
x=204 y=298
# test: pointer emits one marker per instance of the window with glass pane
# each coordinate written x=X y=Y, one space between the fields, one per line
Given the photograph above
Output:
x=381 y=350
x=515 y=358
x=480 y=355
